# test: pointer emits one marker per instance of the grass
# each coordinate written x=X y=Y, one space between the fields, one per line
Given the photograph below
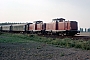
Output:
x=12 y=38
x=66 y=42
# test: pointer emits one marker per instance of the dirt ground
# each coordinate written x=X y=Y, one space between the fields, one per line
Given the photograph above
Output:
x=40 y=51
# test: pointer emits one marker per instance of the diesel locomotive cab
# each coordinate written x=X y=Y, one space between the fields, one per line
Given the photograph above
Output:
x=38 y=22
x=36 y=27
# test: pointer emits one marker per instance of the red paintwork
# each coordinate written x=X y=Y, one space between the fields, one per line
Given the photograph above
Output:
x=39 y=26
x=50 y=26
x=31 y=27
x=67 y=25
x=61 y=26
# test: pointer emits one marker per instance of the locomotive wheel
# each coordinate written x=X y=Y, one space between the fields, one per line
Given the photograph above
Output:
x=31 y=32
x=62 y=34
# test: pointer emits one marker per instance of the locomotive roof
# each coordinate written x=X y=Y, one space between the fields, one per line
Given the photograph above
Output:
x=58 y=19
x=38 y=22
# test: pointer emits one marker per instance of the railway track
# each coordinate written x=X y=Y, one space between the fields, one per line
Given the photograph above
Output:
x=71 y=37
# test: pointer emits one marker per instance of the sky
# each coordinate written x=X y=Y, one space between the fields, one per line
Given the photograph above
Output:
x=45 y=10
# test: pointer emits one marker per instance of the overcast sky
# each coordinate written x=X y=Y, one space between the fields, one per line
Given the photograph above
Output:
x=46 y=10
